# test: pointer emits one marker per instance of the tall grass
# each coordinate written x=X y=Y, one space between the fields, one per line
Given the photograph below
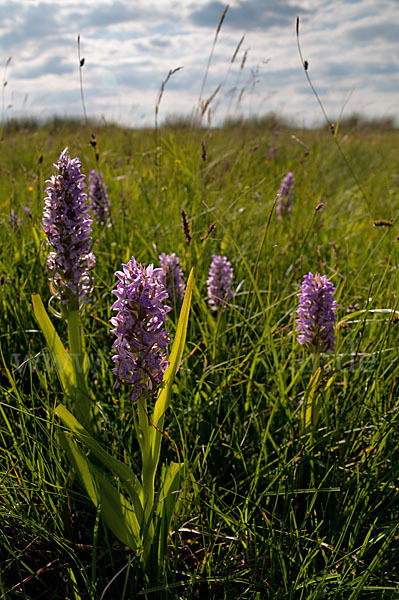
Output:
x=265 y=514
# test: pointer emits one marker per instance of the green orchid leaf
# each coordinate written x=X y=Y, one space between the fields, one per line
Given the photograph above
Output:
x=81 y=465
x=118 y=513
x=170 y=490
x=310 y=410
x=128 y=479
x=176 y=354
x=168 y=496
x=59 y=355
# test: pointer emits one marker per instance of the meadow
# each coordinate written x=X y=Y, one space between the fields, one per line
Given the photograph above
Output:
x=265 y=509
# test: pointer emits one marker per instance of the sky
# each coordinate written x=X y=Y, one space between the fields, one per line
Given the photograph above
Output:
x=130 y=46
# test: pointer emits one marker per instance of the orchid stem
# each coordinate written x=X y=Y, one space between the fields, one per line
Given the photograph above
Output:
x=148 y=471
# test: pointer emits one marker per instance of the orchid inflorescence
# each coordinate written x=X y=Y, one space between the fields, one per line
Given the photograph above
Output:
x=316 y=313
x=67 y=223
x=14 y=221
x=98 y=198
x=219 y=282
x=172 y=278
x=141 y=340
x=285 y=196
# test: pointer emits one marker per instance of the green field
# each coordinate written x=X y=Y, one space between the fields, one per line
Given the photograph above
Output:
x=266 y=510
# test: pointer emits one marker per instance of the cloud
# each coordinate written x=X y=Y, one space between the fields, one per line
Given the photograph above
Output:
x=154 y=44
x=21 y=23
x=54 y=65
x=347 y=69
x=248 y=14
x=389 y=32
x=160 y=43
x=114 y=13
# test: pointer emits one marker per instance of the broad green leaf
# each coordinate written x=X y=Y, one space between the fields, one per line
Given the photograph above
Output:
x=168 y=496
x=309 y=411
x=170 y=490
x=116 y=510
x=176 y=354
x=118 y=513
x=129 y=480
x=83 y=405
x=60 y=356
x=164 y=395
x=81 y=465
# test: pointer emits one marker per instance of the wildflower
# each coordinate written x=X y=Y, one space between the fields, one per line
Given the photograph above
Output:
x=219 y=282
x=68 y=227
x=172 y=278
x=98 y=198
x=14 y=221
x=141 y=339
x=316 y=313
x=285 y=196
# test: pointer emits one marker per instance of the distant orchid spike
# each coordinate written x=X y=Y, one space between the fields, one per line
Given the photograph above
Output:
x=68 y=227
x=285 y=196
x=316 y=314
x=219 y=282
x=172 y=278
x=141 y=339
x=98 y=198
x=13 y=220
